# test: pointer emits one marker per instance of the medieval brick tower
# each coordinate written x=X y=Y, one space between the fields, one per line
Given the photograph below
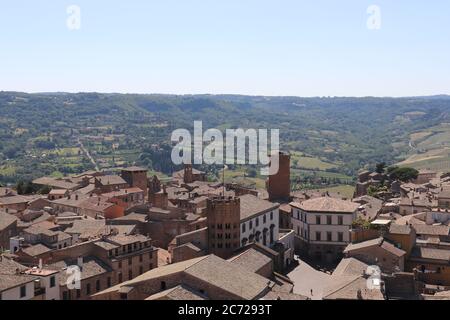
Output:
x=136 y=178
x=279 y=185
x=223 y=225
x=188 y=174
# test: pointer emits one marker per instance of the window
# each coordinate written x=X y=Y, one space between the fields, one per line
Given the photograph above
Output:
x=329 y=236
x=141 y=270
x=163 y=285
x=340 y=237
x=317 y=219
x=130 y=275
x=228 y=226
x=108 y=282
x=340 y=220
x=264 y=219
x=318 y=236
x=97 y=285
x=220 y=226
x=219 y=246
x=329 y=220
x=243 y=227
x=141 y=258
x=88 y=289
x=251 y=224
x=130 y=261
x=23 y=291
x=271 y=216
x=52 y=282
x=298 y=231
x=65 y=295
x=120 y=277
x=78 y=293
x=257 y=222
x=120 y=264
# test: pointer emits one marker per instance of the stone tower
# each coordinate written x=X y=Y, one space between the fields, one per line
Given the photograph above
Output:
x=223 y=217
x=188 y=174
x=136 y=178
x=279 y=185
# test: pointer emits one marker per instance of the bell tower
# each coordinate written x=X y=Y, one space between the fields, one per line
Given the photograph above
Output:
x=223 y=217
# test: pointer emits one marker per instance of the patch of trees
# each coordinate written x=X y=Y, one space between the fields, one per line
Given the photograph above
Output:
x=403 y=174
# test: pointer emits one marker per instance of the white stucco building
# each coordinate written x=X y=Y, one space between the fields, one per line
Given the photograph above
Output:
x=323 y=225
x=18 y=282
x=259 y=221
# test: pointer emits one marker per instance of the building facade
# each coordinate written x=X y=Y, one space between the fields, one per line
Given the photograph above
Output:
x=323 y=225
x=223 y=225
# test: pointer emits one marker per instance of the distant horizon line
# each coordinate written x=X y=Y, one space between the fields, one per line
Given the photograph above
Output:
x=442 y=95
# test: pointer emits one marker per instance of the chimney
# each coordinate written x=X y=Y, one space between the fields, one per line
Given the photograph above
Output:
x=80 y=263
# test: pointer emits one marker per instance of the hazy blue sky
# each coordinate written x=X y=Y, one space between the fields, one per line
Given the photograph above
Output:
x=267 y=47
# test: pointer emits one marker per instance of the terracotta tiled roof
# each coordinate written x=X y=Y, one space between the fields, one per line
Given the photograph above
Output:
x=229 y=277
x=11 y=274
x=399 y=229
x=111 y=180
x=432 y=230
x=351 y=288
x=350 y=266
x=180 y=292
x=327 y=204
x=7 y=192
x=252 y=206
x=91 y=267
x=6 y=220
x=36 y=250
x=376 y=242
x=432 y=253
x=56 y=183
x=251 y=260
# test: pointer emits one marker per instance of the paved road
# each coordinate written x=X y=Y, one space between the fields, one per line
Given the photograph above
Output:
x=306 y=278
x=86 y=152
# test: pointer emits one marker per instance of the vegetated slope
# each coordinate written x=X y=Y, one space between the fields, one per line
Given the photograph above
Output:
x=339 y=134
